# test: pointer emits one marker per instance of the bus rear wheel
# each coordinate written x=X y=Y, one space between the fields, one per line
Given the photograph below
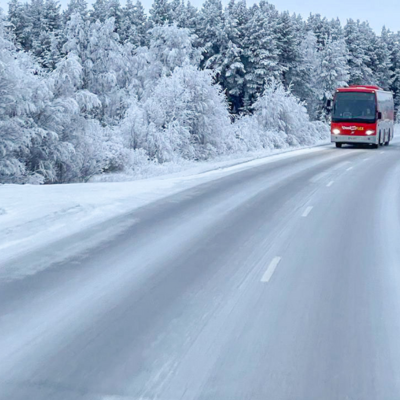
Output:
x=338 y=145
x=388 y=139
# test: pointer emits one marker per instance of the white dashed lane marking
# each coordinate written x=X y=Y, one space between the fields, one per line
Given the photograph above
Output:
x=271 y=269
x=307 y=211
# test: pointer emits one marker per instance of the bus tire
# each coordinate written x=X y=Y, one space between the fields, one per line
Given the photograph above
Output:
x=388 y=139
x=338 y=145
x=375 y=146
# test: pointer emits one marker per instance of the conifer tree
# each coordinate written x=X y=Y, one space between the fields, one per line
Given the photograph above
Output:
x=160 y=12
x=359 y=59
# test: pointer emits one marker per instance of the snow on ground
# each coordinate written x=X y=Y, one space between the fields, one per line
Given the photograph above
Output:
x=33 y=216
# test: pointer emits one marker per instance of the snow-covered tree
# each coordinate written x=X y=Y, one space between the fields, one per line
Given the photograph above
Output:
x=75 y=6
x=141 y=23
x=190 y=17
x=176 y=12
x=186 y=117
x=261 y=54
x=18 y=16
x=105 y=71
x=211 y=33
x=96 y=148
x=378 y=56
x=359 y=59
x=336 y=30
x=333 y=72
x=305 y=74
x=15 y=135
x=160 y=12
x=77 y=34
x=133 y=24
x=115 y=11
x=51 y=16
x=30 y=149
x=288 y=39
x=170 y=47
x=284 y=118
x=321 y=28
x=232 y=71
x=99 y=11
x=392 y=43
x=104 y=65
x=52 y=50
x=37 y=27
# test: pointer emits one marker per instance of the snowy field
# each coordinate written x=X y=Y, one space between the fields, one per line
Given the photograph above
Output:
x=34 y=216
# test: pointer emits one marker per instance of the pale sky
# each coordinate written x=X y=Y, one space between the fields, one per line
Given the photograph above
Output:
x=378 y=13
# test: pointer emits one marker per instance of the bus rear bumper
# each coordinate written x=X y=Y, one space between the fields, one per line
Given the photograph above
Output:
x=347 y=139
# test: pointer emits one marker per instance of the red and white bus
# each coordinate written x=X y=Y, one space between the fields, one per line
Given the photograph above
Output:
x=362 y=114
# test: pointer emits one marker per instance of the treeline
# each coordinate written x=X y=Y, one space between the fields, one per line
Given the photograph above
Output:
x=243 y=46
x=85 y=91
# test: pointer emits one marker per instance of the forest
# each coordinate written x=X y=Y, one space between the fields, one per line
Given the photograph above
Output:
x=110 y=88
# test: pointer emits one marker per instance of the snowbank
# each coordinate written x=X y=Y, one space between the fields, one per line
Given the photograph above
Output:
x=34 y=216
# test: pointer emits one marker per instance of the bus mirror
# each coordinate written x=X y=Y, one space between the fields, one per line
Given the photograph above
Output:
x=329 y=104
x=379 y=115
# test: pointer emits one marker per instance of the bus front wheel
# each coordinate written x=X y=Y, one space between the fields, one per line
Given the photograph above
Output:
x=338 y=145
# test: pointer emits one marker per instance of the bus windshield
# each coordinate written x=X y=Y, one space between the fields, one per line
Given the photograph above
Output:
x=354 y=107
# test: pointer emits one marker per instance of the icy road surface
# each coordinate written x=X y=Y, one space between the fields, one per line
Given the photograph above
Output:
x=280 y=281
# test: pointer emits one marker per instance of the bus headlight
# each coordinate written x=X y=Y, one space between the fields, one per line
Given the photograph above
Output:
x=336 y=131
x=369 y=132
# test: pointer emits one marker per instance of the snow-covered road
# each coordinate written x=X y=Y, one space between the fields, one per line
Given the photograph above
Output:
x=276 y=281
x=33 y=217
